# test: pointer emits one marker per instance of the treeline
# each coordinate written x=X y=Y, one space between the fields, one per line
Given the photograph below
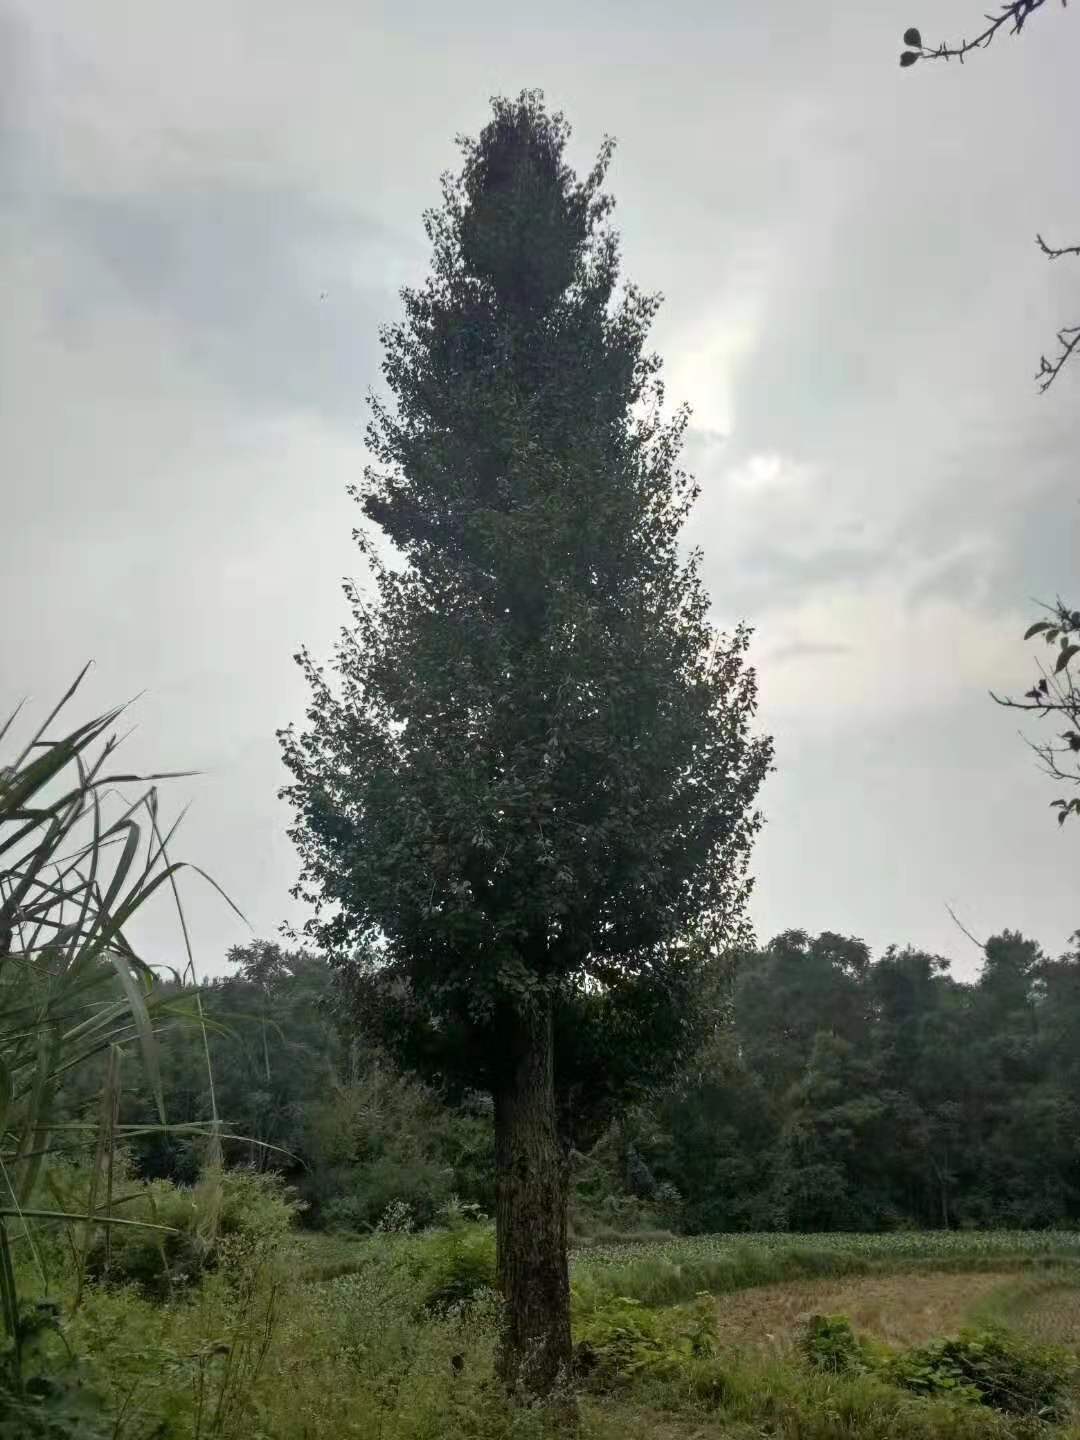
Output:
x=832 y=1093
x=853 y=1095
x=309 y=1099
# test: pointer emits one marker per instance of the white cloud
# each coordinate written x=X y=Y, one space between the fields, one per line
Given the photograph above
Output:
x=770 y=472
x=865 y=654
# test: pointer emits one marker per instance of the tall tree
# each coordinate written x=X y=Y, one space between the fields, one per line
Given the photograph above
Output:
x=535 y=773
x=794 y=988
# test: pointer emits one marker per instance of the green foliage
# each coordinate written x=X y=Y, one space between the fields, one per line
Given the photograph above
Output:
x=77 y=865
x=990 y=1368
x=607 y=1200
x=459 y=1266
x=384 y=1138
x=832 y=1093
x=746 y=1398
x=331 y=1113
x=317 y=1336
x=273 y=1050
x=625 y=1346
x=535 y=773
x=44 y=1394
x=234 y=1212
x=832 y=1253
x=667 y=1273
x=846 y=1094
x=828 y=1343
x=1055 y=695
x=73 y=991
x=624 y=1340
x=185 y=1369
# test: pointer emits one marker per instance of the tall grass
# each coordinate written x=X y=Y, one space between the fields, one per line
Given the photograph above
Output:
x=78 y=862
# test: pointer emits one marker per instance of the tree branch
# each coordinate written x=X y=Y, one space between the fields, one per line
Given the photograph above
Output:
x=1013 y=14
x=1057 y=693
x=1049 y=370
x=1055 y=254
x=980 y=943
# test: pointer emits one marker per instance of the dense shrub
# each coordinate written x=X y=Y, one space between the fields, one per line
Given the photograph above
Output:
x=46 y=1394
x=988 y=1368
x=384 y=1138
x=984 y=1367
x=355 y=1197
x=236 y=1212
x=828 y=1343
x=623 y=1339
x=458 y=1265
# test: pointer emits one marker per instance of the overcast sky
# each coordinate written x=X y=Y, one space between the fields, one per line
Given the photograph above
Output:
x=854 y=307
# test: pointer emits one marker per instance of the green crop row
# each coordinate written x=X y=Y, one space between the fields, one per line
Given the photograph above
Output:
x=929 y=1245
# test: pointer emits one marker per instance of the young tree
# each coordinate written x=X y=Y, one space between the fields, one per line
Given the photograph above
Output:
x=535 y=773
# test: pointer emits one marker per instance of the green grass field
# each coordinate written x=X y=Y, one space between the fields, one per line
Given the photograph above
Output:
x=899 y=1245
x=333 y=1338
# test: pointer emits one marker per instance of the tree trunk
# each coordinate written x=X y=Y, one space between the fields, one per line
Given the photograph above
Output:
x=530 y=1210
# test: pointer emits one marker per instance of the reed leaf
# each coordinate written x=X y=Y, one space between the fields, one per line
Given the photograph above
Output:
x=74 y=992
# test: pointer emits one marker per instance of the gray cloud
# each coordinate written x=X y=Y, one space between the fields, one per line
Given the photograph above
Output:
x=805 y=649
x=855 y=309
x=276 y=296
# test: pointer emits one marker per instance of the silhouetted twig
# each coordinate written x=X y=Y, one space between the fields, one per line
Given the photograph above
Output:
x=1014 y=15
x=1057 y=694
x=1049 y=370
x=1055 y=253
x=959 y=923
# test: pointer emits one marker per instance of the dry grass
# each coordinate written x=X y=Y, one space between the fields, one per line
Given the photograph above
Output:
x=1044 y=1307
x=898 y=1309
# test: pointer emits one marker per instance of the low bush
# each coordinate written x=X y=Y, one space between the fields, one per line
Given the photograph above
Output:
x=458 y=1265
x=44 y=1393
x=746 y=1397
x=989 y=1368
x=235 y=1212
x=624 y=1339
x=828 y=1343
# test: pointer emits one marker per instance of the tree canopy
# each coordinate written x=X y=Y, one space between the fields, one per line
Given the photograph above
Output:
x=534 y=779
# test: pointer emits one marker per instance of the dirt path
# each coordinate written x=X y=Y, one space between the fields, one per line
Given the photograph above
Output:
x=899 y=1309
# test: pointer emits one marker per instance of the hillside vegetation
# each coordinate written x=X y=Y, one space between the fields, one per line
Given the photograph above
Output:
x=833 y=1092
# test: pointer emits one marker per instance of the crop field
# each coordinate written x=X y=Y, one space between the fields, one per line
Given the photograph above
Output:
x=672 y=1271
x=897 y=1309
x=932 y=1246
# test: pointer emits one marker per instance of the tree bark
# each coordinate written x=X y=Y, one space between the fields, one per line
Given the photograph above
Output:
x=530 y=1210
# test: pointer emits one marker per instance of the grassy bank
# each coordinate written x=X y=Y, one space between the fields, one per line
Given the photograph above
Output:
x=670 y=1271
x=667 y=1272
x=392 y=1337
